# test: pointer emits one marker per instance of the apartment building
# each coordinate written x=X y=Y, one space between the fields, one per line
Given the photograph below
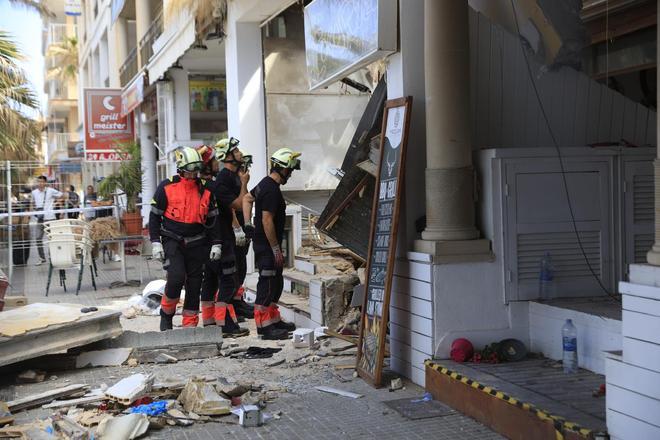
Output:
x=63 y=152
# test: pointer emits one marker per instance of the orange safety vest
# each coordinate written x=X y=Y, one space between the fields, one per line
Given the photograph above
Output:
x=187 y=201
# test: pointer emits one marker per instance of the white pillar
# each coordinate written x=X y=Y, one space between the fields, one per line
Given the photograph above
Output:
x=148 y=154
x=121 y=41
x=142 y=23
x=181 y=104
x=653 y=256
x=450 y=203
x=405 y=77
x=246 y=113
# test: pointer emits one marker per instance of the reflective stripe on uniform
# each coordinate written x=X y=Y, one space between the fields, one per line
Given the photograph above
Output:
x=187 y=240
x=157 y=211
x=267 y=272
x=212 y=213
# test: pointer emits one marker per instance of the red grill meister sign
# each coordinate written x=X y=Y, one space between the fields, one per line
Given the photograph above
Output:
x=105 y=128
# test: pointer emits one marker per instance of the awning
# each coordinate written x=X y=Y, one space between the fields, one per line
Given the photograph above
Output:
x=170 y=46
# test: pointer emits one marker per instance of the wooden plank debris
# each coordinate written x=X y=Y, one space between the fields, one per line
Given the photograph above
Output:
x=45 y=397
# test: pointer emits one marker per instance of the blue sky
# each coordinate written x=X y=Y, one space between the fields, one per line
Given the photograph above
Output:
x=26 y=28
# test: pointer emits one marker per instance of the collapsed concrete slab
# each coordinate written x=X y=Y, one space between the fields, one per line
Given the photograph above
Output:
x=39 y=337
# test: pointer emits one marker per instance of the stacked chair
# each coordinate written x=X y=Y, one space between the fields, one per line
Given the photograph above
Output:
x=69 y=247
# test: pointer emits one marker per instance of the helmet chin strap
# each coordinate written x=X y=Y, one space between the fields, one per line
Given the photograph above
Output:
x=283 y=176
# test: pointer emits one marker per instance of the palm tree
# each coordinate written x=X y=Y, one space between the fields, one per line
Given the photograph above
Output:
x=65 y=55
x=18 y=133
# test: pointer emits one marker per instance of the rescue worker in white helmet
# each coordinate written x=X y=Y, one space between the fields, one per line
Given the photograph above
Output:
x=184 y=232
x=219 y=286
x=269 y=220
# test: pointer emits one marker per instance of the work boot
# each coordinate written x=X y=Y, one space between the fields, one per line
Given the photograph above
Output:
x=243 y=309
x=233 y=330
x=272 y=333
x=165 y=321
x=283 y=325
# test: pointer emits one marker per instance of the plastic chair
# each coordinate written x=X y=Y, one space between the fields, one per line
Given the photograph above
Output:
x=69 y=247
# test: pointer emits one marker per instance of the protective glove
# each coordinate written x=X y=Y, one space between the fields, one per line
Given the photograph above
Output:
x=249 y=231
x=240 y=236
x=216 y=249
x=157 y=251
x=279 y=256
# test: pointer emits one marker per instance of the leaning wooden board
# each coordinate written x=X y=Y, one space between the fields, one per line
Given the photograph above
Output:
x=383 y=239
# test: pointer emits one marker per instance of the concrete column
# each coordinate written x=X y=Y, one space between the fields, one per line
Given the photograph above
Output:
x=181 y=104
x=246 y=112
x=653 y=256
x=148 y=154
x=450 y=210
x=142 y=22
x=121 y=40
x=405 y=77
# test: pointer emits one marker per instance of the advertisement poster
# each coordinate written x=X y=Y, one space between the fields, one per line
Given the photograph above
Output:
x=105 y=128
x=382 y=242
x=208 y=95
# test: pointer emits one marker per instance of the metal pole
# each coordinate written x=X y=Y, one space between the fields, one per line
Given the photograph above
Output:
x=10 y=253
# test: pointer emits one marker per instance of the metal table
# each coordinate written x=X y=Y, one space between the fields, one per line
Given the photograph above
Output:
x=122 y=254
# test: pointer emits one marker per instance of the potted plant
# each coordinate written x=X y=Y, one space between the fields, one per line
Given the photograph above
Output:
x=127 y=179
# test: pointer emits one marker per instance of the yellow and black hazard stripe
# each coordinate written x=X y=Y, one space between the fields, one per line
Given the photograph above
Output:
x=560 y=424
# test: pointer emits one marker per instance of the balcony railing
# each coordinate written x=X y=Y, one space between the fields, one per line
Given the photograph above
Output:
x=146 y=43
x=129 y=69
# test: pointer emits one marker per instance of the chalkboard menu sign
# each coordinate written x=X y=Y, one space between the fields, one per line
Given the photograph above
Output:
x=382 y=241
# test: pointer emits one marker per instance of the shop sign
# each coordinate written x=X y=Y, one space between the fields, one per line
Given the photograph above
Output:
x=73 y=8
x=105 y=127
x=132 y=95
x=342 y=36
x=383 y=239
x=208 y=95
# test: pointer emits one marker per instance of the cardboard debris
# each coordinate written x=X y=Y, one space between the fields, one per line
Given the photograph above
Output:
x=201 y=398
x=127 y=390
x=45 y=397
x=126 y=427
x=103 y=358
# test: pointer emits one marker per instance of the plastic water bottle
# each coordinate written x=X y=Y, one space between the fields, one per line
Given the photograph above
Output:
x=546 y=277
x=569 y=344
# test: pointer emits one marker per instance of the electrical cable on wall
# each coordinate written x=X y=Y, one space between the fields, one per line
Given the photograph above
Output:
x=561 y=160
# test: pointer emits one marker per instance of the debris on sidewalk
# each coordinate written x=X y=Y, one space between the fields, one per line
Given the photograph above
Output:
x=5 y=414
x=303 y=338
x=125 y=427
x=31 y=376
x=103 y=358
x=396 y=384
x=201 y=398
x=249 y=416
x=127 y=390
x=338 y=392
x=45 y=397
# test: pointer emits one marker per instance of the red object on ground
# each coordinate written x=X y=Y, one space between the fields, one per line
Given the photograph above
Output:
x=146 y=400
x=461 y=350
x=235 y=401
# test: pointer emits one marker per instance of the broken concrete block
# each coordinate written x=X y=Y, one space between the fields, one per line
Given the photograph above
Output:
x=127 y=390
x=303 y=338
x=396 y=384
x=103 y=358
x=71 y=429
x=201 y=398
x=126 y=427
x=180 y=418
x=31 y=376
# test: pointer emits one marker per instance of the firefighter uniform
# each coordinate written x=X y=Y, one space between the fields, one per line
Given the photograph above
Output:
x=182 y=228
x=268 y=197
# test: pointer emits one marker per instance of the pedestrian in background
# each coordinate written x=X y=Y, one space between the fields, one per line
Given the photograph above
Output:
x=72 y=201
x=44 y=199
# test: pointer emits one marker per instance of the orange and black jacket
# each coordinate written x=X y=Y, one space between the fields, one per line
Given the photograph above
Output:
x=184 y=209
